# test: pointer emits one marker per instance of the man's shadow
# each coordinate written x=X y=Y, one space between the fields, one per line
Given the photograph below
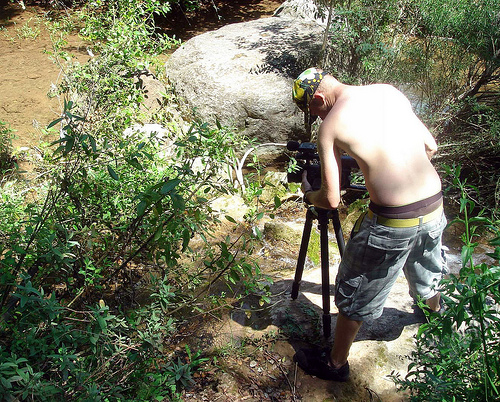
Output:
x=301 y=321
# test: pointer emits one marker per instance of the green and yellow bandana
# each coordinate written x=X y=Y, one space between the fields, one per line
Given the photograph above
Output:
x=304 y=87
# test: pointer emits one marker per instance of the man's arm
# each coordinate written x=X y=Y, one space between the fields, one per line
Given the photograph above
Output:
x=430 y=144
x=328 y=196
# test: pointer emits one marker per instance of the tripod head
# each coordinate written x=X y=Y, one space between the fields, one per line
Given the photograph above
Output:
x=308 y=160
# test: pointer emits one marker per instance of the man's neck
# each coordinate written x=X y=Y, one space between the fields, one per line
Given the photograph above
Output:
x=335 y=91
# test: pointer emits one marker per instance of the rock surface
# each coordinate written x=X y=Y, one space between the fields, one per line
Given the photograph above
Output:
x=241 y=75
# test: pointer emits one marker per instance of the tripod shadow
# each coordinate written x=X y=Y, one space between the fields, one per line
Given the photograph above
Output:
x=298 y=308
x=300 y=320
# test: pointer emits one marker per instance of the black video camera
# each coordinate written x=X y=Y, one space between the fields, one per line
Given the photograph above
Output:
x=308 y=160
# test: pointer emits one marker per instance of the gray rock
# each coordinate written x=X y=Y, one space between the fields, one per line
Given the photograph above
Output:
x=303 y=9
x=153 y=91
x=242 y=74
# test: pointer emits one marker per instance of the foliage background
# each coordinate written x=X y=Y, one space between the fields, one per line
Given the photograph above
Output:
x=109 y=215
x=445 y=55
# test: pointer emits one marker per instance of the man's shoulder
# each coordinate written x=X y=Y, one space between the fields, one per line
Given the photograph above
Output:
x=359 y=95
x=383 y=90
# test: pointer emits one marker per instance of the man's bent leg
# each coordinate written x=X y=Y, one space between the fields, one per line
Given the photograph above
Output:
x=426 y=265
x=345 y=332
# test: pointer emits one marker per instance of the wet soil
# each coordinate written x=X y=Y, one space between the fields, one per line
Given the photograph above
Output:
x=27 y=72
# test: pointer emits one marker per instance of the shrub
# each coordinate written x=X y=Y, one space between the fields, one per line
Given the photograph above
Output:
x=458 y=354
x=109 y=209
x=6 y=158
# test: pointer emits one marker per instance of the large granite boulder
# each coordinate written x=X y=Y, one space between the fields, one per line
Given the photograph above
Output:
x=304 y=9
x=242 y=74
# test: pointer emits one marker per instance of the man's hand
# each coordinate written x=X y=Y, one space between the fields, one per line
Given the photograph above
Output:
x=306 y=186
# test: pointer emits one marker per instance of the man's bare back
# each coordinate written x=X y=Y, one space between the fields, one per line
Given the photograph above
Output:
x=376 y=125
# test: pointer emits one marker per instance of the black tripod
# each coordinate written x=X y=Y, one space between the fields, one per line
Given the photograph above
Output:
x=323 y=216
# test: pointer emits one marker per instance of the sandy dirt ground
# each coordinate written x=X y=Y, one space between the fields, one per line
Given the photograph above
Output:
x=27 y=72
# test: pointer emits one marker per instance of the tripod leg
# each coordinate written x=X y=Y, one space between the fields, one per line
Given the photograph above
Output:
x=306 y=235
x=325 y=271
x=338 y=231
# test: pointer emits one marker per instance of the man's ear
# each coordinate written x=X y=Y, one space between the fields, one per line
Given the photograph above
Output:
x=318 y=99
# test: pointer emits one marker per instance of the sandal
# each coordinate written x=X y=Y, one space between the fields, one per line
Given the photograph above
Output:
x=316 y=362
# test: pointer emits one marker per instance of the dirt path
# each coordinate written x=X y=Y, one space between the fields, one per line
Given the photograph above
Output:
x=27 y=73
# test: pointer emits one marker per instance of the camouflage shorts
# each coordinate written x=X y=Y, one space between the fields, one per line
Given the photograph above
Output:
x=374 y=258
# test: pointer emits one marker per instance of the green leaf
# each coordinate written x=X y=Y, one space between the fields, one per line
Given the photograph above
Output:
x=93 y=143
x=169 y=186
x=186 y=237
x=466 y=254
x=158 y=232
x=495 y=241
x=234 y=277
x=23 y=301
x=141 y=208
x=463 y=204
x=258 y=233
x=54 y=123
x=247 y=269
x=277 y=202
x=70 y=142
x=495 y=255
x=231 y=219
x=112 y=173
x=102 y=323
x=422 y=330
x=178 y=202
x=135 y=163
x=6 y=384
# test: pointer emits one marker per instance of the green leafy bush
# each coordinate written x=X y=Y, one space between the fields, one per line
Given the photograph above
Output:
x=6 y=158
x=106 y=211
x=68 y=353
x=362 y=46
x=458 y=353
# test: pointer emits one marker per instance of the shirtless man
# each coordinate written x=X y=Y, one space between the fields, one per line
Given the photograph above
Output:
x=374 y=124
